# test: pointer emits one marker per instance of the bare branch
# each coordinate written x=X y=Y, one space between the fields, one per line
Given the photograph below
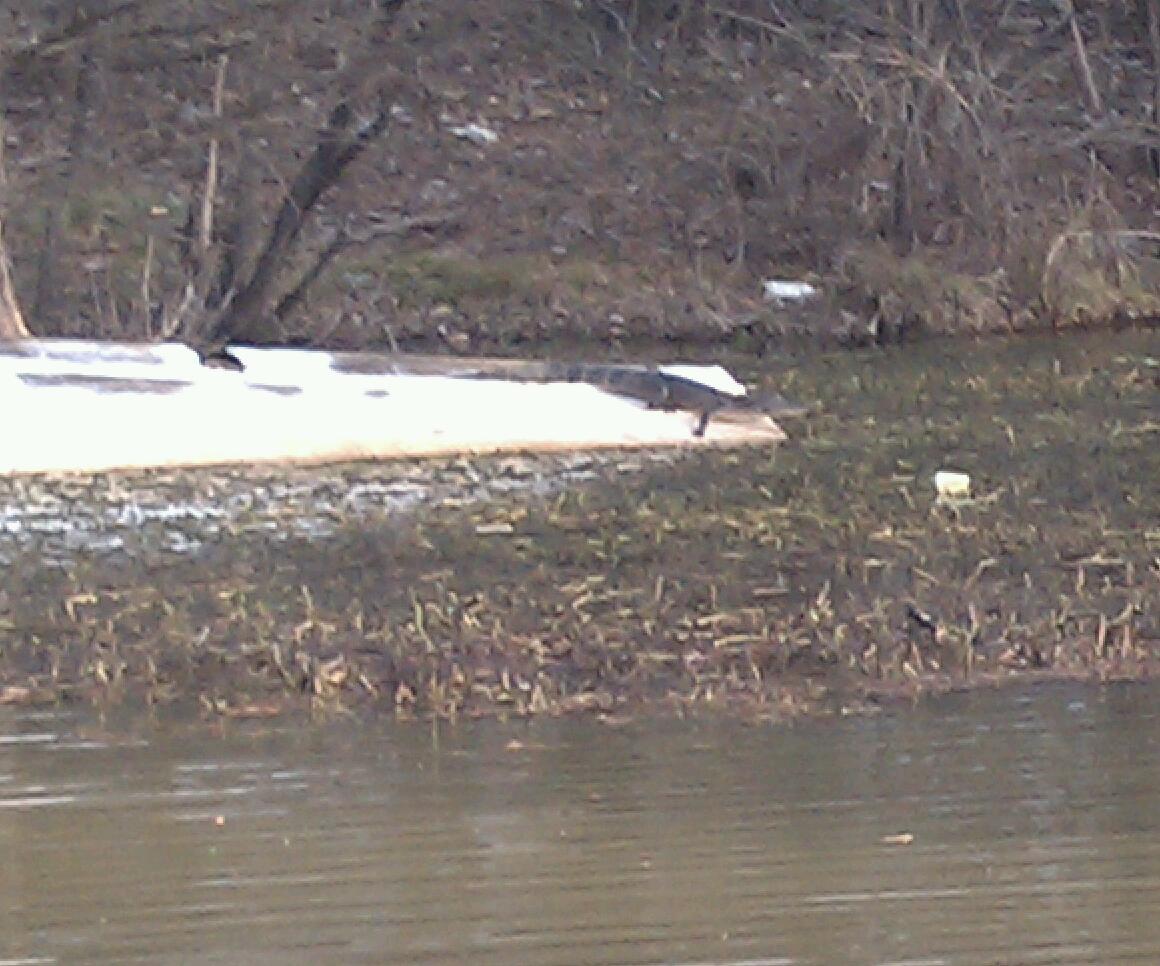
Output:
x=211 y=168
x=82 y=24
x=344 y=241
x=146 y=286
x=1153 y=17
x=339 y=143
x=1095 y=103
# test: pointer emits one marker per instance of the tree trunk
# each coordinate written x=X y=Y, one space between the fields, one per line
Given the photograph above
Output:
x=1153 y=24
x=11 y=318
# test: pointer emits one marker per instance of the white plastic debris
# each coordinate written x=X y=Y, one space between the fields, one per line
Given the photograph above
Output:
x=783 y=290
x=475 y=133
x=952 y=485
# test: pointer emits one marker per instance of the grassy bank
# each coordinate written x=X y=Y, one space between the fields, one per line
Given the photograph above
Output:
x=820 y=578
x=928 y=166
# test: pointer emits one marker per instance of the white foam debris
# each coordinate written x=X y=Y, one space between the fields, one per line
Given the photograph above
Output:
x=784 y=290
x=475 y=133
x=952 y=485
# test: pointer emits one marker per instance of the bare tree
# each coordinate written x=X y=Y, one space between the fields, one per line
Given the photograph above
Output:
x=245 y=259
x=237 y=306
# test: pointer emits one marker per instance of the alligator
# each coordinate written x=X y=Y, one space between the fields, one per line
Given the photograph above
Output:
x=656 y=388
x=651 y=385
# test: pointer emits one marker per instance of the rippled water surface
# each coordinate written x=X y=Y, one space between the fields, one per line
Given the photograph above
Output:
x=1035 y=820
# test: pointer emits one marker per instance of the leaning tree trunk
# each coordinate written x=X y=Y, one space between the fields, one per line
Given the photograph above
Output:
x=11 y=318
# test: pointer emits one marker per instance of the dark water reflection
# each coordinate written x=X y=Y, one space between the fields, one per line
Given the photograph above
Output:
x=1035 y=816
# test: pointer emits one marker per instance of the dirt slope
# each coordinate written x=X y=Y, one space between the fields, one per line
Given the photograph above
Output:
x=645 y=166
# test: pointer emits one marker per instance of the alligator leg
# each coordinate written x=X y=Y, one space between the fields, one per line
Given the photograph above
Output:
x=219 y=357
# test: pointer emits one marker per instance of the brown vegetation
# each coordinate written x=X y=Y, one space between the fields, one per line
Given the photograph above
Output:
x=290 y=169
x=826 y=577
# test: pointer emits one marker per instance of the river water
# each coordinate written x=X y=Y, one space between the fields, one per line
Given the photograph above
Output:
x=1011 y=826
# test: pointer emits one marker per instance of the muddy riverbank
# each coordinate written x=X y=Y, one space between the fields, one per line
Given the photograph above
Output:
x=823 y=576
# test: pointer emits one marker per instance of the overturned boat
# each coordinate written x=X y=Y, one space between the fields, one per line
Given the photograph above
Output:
x=88 y=406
